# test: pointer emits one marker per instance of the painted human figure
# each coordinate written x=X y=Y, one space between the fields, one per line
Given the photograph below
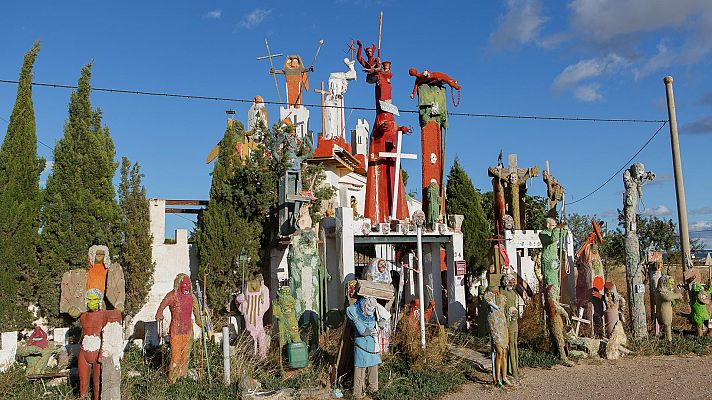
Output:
x=295 y=73
x=414 y=310
x=257 y=119
x=554 y=190
x=93 y=321
x=429 y=78
x=380 y=190
x=557 y=317
x=550 y=261
x=615 y=306
x=371 y=65
x=291 y=195
x=506 y=290
x=253 y=304
x=100 y=274
x=183 y=306
x=365 y=323
x=283 y=310
x=699 y=300
x=434 y=203
x=499 y=334
x=665 y=297
x=588 y=265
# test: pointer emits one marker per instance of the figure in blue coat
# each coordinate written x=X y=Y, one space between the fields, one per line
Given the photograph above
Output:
x=367 y=357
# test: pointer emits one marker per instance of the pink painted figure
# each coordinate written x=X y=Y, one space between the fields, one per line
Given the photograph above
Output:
x=253 y=304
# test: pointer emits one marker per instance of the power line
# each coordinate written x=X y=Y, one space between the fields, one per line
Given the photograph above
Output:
x=38 y=140
x=621 y=168
x=249 y=101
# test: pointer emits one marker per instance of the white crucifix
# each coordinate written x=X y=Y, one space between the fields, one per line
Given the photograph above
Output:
x=396 y=179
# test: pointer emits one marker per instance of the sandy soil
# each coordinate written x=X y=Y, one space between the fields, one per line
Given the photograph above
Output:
x=659 y=377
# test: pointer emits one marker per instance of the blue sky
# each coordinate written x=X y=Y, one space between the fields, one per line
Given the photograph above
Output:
x=593 y=58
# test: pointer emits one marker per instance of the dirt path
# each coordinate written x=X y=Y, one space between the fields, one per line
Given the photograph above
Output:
x=660 y=377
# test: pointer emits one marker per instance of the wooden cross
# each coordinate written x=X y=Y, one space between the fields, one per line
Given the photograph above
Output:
x=323 y=92
x=515 y=177
x=397 y=155
x=270 y=56
x=579 y=320
x=351 y=49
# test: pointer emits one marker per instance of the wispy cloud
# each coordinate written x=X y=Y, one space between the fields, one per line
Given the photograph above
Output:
x=573 y=76
x=521 y=24
x=659 y=211
x=701 y=211
x=214 y=14
x=254 y=18
x=700 y=127
x=661 y=180
x=698 y=226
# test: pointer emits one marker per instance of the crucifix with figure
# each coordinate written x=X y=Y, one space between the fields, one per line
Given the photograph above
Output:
x=398 y=155
x=514 y=180
x=323 y=93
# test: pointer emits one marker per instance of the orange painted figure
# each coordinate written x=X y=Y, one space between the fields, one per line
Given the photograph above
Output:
x=183 y=305
x=297 y=80
x=431 y=78
x=98 y=268
x=381 y=171
x=414 y=310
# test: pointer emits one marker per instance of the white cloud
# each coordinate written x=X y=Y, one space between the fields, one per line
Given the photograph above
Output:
x=701 y=211
x=659 y=211
x=552 y=41
x=521 y=24
x=588 y=93
x=700 y=226
x=254 y=18
x=605 y=20
x=587 y=69
x=214 y=14
x=663 y=59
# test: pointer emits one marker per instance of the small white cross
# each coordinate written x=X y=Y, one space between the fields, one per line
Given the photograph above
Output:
x=397 y=155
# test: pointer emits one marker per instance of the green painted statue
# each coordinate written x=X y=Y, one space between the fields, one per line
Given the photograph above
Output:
x=550 y=261
x=283 y=310
x=434 y=205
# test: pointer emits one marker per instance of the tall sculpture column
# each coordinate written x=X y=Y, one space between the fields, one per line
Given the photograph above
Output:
x=432 y=109
x=633 y=179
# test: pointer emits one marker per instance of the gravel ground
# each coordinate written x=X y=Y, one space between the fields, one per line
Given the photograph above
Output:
x=659 y=377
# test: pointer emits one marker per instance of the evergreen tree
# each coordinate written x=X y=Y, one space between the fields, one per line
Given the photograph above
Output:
x=20 y=200
x=136 y=246
x=464 y=199
x=240 y=197
x=79 y=203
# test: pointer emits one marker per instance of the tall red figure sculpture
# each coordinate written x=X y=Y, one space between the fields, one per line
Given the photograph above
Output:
x=381 y=171
x=432 y=107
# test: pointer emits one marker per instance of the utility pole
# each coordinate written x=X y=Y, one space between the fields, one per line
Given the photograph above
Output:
x=679 y=184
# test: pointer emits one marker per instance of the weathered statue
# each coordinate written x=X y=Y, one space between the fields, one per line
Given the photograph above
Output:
x=499 y=335
x=550 y=254
x=615 y=307
x=291 y=195
x=37 y=351
x=414 y=310
x=354 y=207
x=506 y=289
x=183 y=305
x=434 y=204
x=431 y=78
x=283 y=310
x=371 y=65
x=699 y=300
x=588 y=265
x=93 y=322
x=633 y=178
x=256 y=116
x=557 y=317
x=512 y=180
x=554 y=192
x=365 y=322
x=665 y=297
x=253 y=304
x=305 y=282
x=102 y=275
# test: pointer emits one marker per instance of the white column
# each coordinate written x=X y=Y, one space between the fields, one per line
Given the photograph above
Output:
x=457 y=306
x=433 y=277
x=157 y=215
x=345 y=246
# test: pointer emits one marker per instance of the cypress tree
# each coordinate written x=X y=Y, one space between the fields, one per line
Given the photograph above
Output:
x=464 y=199
x=136 y=246
x=20 y=200
x=79 y=203
x=232 y=221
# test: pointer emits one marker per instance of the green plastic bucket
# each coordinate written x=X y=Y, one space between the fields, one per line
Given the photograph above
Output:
x=297 y=355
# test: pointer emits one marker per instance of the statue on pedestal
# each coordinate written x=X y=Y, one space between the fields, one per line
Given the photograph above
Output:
x=551 y=237
x=291 y=195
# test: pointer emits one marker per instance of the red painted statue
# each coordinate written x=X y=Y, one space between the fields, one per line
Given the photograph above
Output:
x=93 y=321
x=183 y=305
x=381 y=171
x=431 y=78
